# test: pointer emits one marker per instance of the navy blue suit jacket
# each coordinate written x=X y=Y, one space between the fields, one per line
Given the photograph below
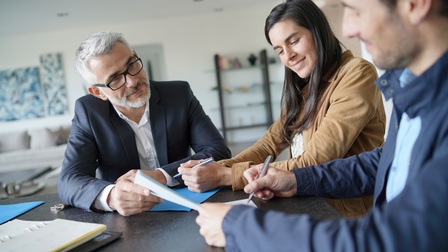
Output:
x=102 y=146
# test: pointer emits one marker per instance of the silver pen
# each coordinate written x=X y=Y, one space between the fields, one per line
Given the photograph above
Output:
x=263 y=171
x=204 y=162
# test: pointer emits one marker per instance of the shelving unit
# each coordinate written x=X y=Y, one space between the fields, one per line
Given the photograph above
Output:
x=241 y=102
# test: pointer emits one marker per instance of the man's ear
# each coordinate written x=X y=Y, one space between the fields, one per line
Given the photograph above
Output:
x=95 y=91
x=419 y=10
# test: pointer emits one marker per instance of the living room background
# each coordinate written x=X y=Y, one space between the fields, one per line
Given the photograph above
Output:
x=189 y=44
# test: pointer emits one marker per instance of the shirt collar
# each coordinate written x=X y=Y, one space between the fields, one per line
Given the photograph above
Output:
x=406 y=77
x=144 y=118
x=419 y=93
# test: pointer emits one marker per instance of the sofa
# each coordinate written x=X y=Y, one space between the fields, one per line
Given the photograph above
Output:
x=33 y=148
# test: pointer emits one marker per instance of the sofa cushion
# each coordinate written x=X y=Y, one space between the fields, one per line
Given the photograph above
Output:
x=64 y=133
x=43 y=138
x=32 y=158
x=14 y=141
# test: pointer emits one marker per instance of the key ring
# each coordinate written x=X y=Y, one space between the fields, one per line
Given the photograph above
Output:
x=57 y=207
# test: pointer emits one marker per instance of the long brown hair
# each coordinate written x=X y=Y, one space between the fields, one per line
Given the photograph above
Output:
x=329 y=52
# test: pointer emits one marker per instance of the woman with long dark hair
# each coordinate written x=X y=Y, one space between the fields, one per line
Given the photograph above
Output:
x=331 y=107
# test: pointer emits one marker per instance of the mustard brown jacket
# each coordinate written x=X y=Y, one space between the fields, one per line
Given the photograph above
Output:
x=350 y=120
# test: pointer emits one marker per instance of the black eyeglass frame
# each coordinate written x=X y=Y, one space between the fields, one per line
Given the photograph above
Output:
x=126 y=72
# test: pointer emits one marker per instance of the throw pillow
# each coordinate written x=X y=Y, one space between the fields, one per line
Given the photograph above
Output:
x=43 y=138
x=64 y=133
x=14 y=141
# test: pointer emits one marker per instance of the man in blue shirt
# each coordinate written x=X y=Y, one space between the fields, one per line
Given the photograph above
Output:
x=408 y=176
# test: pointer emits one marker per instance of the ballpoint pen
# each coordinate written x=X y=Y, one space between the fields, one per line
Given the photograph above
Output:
x=262 y=172
x=204 y=162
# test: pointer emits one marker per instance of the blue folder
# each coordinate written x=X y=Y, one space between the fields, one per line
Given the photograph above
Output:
x=8 y=212
x=193 y=196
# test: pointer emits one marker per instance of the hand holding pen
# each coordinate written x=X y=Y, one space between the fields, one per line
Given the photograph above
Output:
x=262 y=172
x=280 y=183
x=209 y=175
x=203 y=162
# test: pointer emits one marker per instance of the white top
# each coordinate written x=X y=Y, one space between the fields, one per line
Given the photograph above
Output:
x=297 y=145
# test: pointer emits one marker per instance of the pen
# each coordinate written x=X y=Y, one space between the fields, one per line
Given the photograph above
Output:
x=263 y=171
x=204 y=162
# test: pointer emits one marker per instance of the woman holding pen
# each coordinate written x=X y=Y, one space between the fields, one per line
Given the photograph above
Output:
x=331 y=107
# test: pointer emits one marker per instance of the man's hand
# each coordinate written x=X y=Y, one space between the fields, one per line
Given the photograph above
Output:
x=155 y=174
x=129 y=198
x=205 y=177
x=274 y=183
x=210 y=222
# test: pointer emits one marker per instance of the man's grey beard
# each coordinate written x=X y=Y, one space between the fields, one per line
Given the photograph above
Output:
x=123 y=102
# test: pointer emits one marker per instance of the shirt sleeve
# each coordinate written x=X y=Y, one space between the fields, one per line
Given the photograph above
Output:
x=170 y=181
x=101 y=200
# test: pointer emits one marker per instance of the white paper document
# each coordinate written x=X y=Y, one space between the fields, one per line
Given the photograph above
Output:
x=163 y=191
x=167 y=193
x=241 y=202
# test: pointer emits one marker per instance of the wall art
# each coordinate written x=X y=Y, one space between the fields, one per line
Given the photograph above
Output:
x=20 y=94
x=34 y=91
x=53 y=84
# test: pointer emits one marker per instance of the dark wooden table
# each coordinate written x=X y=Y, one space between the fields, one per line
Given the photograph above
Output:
x=166 y=231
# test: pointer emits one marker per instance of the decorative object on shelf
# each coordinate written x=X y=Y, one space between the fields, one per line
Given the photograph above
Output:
x=243 y=88
x=254 y=121
x=236 y=63
x=224 y=63
x=252 y=59
x=227 y=89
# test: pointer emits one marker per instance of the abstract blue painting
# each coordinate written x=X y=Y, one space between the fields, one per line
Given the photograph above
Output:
x=34 y=91
x=20 y=94
x=53 y=84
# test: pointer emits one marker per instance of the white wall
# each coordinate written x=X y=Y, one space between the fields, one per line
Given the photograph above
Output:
x=189 y=45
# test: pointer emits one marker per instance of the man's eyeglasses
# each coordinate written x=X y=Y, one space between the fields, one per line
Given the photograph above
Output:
x=119 y=80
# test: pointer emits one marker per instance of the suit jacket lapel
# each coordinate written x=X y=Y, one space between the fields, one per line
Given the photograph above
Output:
x=127 y=137
x=158 y=126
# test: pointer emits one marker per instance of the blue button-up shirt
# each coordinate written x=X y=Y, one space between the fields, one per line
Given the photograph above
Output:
x=407 y=135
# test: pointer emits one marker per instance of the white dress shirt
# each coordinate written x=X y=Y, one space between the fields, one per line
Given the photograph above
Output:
x=146 y=153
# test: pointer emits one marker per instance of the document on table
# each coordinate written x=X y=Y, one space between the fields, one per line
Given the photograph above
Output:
x=178 y=199
x=241 y=202
x=164 y=192
x=198 y=198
